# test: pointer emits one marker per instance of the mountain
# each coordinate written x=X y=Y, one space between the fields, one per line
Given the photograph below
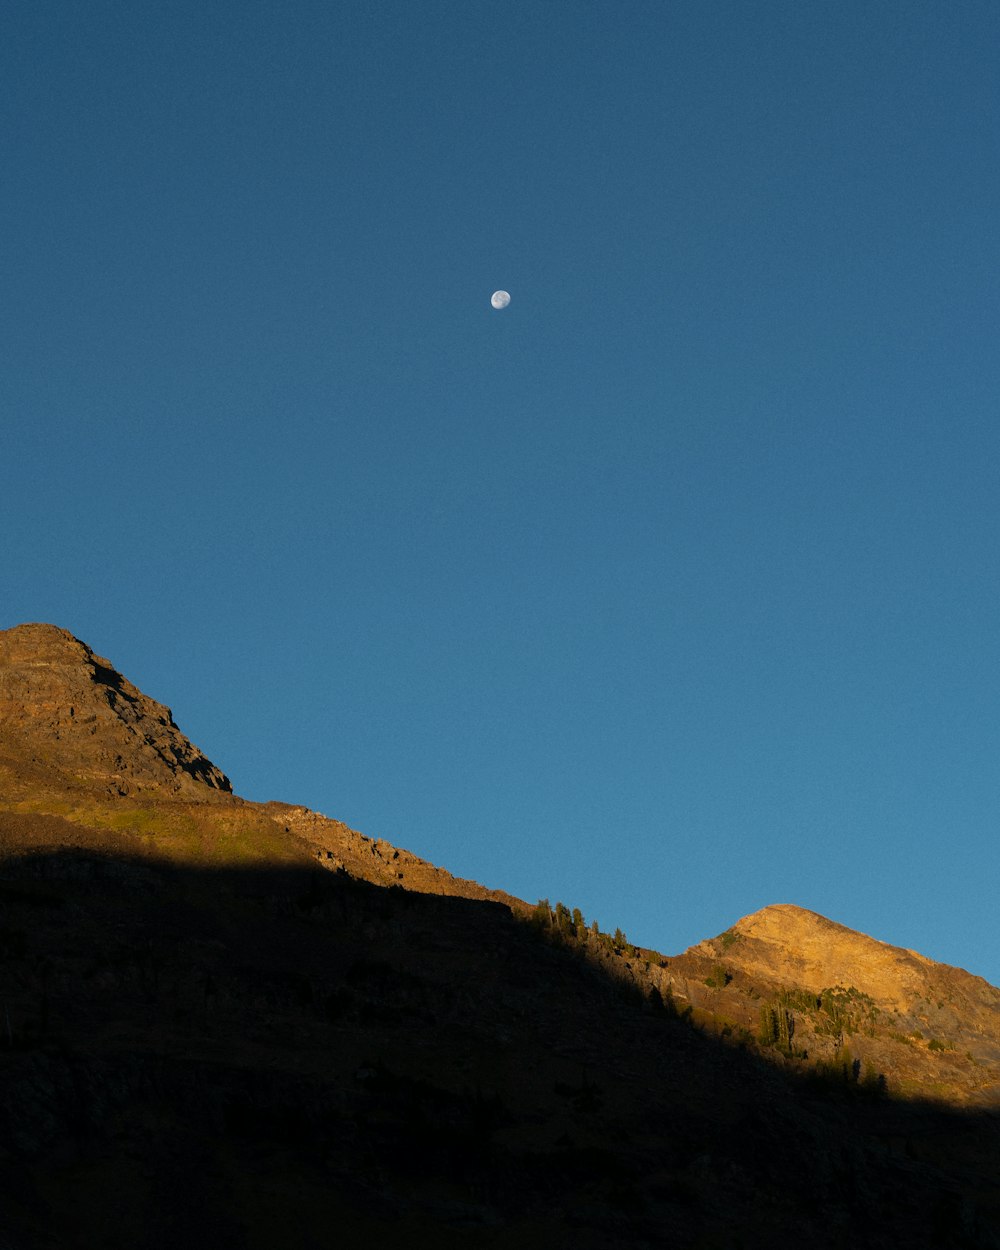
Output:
x=930 y=1029
x=66 y=713
x=241 y=1024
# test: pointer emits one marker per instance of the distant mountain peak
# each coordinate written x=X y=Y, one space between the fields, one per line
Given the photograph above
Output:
x=66 y=709
x=792 y=955
x=804 y=948
x=786 y=922
x=774 y=915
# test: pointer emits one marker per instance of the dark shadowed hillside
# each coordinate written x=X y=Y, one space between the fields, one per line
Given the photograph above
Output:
x=231 y=1024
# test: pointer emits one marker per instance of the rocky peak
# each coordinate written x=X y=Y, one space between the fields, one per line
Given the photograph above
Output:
x=67 y=710
x=937 y=1025
x=806 y=949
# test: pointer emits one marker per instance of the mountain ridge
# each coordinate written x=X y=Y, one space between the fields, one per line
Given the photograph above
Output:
x=293 y=1022
x=72 y=709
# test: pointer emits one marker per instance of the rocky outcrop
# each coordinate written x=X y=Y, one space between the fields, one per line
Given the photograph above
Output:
x=340 y=848
x=64 y=709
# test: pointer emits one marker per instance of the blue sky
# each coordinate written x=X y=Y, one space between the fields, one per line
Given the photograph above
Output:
x=671 y=590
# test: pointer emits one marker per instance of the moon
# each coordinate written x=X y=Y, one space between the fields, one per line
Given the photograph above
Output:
x=500 y=299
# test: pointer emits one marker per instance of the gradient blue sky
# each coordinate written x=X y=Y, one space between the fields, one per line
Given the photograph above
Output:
x=670 y=591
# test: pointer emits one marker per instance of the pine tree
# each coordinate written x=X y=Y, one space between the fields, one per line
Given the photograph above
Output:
x=767 y=1025
x=542 y=915
x=785 y=1029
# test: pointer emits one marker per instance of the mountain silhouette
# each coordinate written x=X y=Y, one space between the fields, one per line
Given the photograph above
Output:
x=225 y=1023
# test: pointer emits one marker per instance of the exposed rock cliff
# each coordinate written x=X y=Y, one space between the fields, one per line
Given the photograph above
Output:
x=65 y=709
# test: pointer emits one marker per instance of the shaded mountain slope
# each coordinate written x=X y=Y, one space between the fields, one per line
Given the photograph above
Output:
x=243 y=1024
x=253 y=1057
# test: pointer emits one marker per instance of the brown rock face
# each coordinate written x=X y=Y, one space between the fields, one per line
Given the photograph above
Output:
x=807 y=950
x=932 y=1029
x=68 y=711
